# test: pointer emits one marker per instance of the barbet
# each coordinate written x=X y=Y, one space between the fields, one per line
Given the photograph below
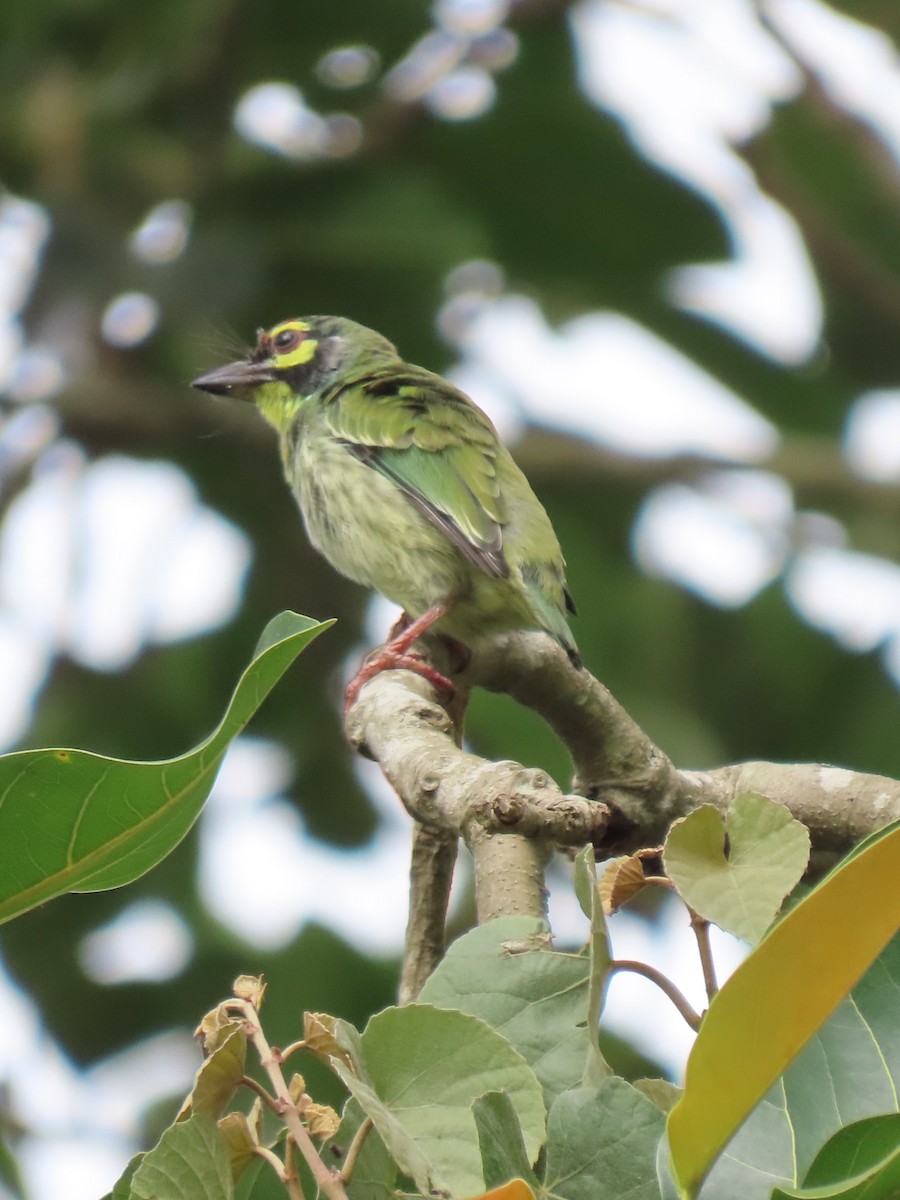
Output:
x=405 y=487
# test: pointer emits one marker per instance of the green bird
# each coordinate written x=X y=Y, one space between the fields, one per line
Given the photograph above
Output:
x=405 y=487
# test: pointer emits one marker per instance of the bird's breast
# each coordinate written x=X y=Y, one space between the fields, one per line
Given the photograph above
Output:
x=367 y=529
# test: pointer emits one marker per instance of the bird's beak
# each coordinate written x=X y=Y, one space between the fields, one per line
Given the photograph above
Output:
x=239 y=379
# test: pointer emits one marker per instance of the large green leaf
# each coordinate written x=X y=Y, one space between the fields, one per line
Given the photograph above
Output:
x=539 y=999
x=191 y=1159
x=73 y=821
x=849 y=1071
x=602 y=1143
x=417 y=1071
x=776 y=1001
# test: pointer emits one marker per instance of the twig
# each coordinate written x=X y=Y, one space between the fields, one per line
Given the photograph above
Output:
x=663 y=983
x=327 y=1181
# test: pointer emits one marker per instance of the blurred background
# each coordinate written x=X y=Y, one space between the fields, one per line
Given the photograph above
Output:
x=657 y=240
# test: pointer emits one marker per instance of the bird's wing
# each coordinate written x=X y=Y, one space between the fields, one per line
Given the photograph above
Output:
x=437 y=447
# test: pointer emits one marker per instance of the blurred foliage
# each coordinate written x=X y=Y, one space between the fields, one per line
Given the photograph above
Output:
x=108 y=109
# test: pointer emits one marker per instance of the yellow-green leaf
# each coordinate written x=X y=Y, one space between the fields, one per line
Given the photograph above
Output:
x=737 y=871
x=779 y=997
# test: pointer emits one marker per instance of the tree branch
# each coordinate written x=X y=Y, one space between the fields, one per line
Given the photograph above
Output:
x=507 y=814
x=430 y=876
x=628 y=791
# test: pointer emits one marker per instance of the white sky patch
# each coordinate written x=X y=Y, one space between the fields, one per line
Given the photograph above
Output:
x=852 y=596
x=129 y=319
x=469 y=18
x=90 y=1128
x=462 y=95
x=37 y=374
x=856 y=64
x=163 y=234
x=93 y=1126
x=25 y=661
x=36 y=551
x=606 y=377
x=24 y=231
x=154 y=564
x=264 y=877
x=25 y=433
x=275 y=115
x=147 y=941
x=98 y=560
x=767 y=294
x=725 y=541
x=872 y=436
x=690 y=79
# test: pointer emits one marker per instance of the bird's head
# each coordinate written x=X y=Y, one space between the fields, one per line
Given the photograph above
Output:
x=294 y=360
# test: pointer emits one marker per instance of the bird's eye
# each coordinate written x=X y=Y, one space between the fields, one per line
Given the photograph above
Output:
x=287 y=340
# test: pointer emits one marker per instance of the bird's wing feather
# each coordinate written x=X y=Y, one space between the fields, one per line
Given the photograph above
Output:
x=437 y=447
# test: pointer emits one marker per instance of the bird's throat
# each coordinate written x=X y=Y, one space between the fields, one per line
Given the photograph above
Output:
x=278 y=403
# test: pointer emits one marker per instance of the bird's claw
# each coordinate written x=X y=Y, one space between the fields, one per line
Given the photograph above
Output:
x=387 y=660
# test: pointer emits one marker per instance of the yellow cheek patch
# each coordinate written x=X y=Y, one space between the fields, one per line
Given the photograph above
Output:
x=302 y=353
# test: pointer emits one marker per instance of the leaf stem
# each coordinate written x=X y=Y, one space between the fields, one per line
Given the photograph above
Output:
x=663 y=983
x=700 y=926
x=265 y=1096
x=355 y=1147
x=286 y=1053
x=272 y=1159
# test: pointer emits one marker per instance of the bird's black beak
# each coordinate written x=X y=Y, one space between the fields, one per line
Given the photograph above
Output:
x=238 y=379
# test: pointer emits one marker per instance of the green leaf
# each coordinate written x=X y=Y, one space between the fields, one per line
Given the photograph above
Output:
x=602 y=1144
x=191 y=1159
x=219 y=1075
x=861 y=1162
x=122 y=1187
x=538 y=999
x=419 y=1071
x=239 y=1135
x=736 y=872
x=72 y=821
x=778 y=998
x=503 y=1154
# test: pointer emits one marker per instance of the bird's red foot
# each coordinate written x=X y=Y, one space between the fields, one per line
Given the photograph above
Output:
x=387 y=660
x=397 y=655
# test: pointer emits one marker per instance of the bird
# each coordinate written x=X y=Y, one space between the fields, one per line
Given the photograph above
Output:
x=405 y=487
